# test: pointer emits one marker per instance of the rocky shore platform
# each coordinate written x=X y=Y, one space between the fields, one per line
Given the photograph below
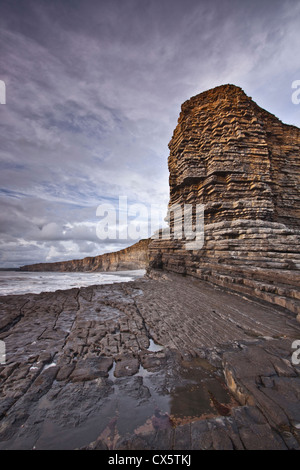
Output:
x=163 y=362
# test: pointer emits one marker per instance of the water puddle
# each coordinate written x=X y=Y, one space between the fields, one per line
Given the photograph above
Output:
x=111 y=372
x=190 y=391
x=199 y=401
x=200 y=393
x=121 y=407
x=154 y=347
x=47 y=366
x=142 y=372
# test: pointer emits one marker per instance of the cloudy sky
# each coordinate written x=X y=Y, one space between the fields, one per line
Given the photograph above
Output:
x=93 y=94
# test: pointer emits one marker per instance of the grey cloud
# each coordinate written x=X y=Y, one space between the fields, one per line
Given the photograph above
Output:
x=93 y=94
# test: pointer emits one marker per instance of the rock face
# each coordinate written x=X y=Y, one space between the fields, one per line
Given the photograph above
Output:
x=243 y=165
x=133 y=257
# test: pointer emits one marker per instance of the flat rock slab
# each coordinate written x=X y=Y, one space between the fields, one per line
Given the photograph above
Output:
x=265 y=377
x=126 y=367
x=79 y=361
x=91 y=368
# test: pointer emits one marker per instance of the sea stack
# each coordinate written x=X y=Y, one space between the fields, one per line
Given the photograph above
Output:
x=243 y=164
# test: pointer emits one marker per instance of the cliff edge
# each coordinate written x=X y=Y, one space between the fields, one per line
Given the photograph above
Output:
x=133 y=257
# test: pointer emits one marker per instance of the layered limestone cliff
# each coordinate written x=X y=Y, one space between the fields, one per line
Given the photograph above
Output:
x=133 y=257
x=243 y=165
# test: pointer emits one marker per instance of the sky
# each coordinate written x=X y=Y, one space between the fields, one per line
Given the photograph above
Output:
x=93 y=94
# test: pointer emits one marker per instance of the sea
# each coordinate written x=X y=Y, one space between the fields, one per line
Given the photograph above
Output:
x=22 y=282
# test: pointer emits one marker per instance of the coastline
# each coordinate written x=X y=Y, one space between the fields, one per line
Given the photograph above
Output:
x=79 y=361
x=29 y=282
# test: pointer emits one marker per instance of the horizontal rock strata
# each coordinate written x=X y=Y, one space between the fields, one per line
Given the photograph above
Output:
x=133 y=257
x=243 y=165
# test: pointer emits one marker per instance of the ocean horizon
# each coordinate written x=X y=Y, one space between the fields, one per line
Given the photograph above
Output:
x=25 y=282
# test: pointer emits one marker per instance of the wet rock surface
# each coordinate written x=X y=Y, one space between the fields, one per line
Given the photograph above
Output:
x=165 y=363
